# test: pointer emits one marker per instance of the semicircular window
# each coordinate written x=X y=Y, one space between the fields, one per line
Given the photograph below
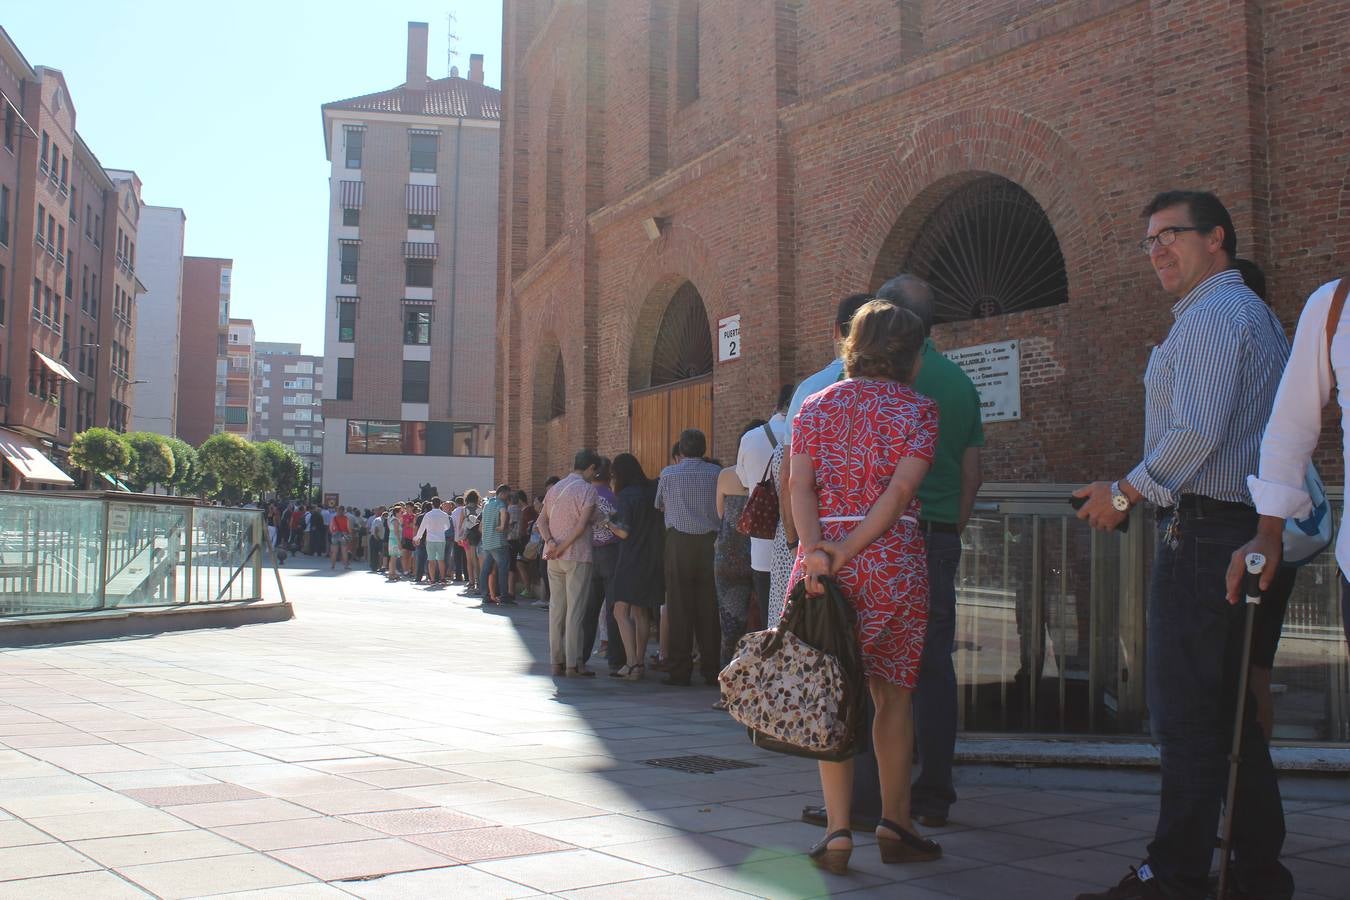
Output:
x=558 y=403
x=988 y=249
x=683 y=344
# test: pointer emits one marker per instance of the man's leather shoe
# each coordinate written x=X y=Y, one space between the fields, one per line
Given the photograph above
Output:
x=1138 y=885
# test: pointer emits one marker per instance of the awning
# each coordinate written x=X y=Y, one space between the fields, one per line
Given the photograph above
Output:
x=30 y=462
x=424 y=199
x=54 y=367
x=353 y=192
x=410 y=302
x=425 y=132
x=348 y=299
x=354 y=242
x=419 y=251
x=353 y=128
x=112 y=480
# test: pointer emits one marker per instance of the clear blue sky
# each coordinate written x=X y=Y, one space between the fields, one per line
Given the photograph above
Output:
x=216 y=107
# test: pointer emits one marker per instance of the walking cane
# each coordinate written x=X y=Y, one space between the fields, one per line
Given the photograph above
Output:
x=1251 y=589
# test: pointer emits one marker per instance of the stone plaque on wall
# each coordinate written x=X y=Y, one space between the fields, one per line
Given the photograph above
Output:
x=996 y=371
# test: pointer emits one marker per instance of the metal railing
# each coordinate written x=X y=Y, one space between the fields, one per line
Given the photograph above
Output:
x=73 y=552
x=1050 y=626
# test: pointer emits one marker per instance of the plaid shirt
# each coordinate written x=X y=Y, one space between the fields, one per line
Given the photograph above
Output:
x=687 y=494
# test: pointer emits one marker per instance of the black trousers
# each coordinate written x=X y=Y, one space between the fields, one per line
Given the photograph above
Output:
x=692 y=599
x=603 y=560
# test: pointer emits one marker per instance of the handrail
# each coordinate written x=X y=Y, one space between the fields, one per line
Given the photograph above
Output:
x=237 y=571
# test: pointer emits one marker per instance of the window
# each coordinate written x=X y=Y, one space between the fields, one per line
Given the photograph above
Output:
x=345 y=378
x=65 y=170
x=37 y=299
x=416 y=381
x=288 y=432
x=419 y=222
x=351 y=216
x=4 y=215
x=686 y=52
x=418 y=272
x=74 y=206
x=416 y=327
x=41 y=224
x=2 y=295
x=236 y=415
x=418 y=438
x=61 y=240
x=346 y=322
x=349 y=254
x=93 y=296
x=422 y=152
x=42 y=157
x=355 y=146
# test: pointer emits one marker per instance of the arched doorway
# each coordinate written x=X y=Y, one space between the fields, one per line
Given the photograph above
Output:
x=670 y=376
x=552 y=452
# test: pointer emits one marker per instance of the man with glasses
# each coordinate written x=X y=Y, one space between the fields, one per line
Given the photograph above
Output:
x=1209 y=389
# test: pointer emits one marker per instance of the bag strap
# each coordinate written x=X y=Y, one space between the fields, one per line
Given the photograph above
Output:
x=1334 y=315
x=773 y=438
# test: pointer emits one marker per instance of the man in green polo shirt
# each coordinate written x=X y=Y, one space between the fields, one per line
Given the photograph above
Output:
x=946 y=498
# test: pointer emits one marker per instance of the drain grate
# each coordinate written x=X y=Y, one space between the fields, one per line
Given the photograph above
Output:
x=700 y=765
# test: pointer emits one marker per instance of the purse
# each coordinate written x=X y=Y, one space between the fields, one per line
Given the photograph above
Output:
x=759 y=518
x=798 y=688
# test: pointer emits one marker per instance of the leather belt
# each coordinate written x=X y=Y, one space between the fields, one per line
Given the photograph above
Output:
x=1203 y=507
x=938 y=527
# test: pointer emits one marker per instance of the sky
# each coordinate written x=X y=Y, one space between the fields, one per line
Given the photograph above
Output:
x=216 y=108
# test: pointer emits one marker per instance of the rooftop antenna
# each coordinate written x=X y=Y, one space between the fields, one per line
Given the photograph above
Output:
x=451 y=44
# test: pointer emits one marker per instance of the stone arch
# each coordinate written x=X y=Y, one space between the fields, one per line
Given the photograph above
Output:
x=950 y=149
x=548 y=426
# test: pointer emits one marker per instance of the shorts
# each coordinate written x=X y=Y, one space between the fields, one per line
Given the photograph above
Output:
x=515 y=546
x=340 y=537
x=435 y=551
x=407 y=544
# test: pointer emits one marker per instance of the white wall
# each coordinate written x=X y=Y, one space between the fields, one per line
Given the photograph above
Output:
x=159 y=265
x=368 y=481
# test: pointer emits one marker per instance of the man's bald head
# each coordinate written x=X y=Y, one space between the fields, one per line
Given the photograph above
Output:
x=912 y=293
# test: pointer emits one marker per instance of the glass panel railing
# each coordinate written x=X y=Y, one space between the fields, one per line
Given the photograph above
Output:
x=67 y=552
x=1051 y=616
x=51 y=554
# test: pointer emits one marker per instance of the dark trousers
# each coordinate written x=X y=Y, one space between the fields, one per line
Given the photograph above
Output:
x=375 y=552
x=461 y=560
x=692 y=604
x=420 y=558
x=762 y=580
x=603 y=560
x=935 y=697
x=1345 y=608
x=1194 y=660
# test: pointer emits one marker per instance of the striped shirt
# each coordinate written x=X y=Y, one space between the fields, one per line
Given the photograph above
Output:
x=1208 y=393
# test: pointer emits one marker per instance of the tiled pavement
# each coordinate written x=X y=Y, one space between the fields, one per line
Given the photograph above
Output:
x=397 y=742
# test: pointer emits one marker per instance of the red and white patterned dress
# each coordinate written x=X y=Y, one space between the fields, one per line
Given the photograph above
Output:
x=856 y=432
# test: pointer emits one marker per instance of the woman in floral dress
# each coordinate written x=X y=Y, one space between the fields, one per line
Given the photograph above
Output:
x=860 y=449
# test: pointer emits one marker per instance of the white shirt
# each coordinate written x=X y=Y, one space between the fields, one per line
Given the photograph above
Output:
x=752 y=462
x=435 y=523
x=1296 y=418
x=457 y=519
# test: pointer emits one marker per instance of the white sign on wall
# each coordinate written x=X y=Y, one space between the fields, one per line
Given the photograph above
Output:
x=729 y=338
x=996 y=370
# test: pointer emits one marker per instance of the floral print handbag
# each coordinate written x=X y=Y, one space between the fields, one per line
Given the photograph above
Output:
x=798 y=688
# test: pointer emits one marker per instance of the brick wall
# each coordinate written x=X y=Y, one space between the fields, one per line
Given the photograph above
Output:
x=822 y=137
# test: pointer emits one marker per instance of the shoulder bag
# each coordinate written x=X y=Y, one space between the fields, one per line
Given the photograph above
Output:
x=759 y=518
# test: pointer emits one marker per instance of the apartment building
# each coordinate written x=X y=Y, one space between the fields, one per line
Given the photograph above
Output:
x=202 y=359
x=411 y=298
x=287 y=401
x=159 y=320
x=68 y=235
x=239 y=378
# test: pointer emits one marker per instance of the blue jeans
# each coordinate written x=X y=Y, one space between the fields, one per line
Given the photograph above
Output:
x=1194 y=660
x=499 y=560
x=935 y=697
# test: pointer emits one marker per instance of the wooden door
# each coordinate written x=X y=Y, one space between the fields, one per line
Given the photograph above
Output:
x=656 y=418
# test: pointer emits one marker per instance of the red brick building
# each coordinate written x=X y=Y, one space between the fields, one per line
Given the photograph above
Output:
x=669 y=163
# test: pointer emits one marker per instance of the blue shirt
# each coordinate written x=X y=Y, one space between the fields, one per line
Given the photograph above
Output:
x=1209 y=388
x=811 y=384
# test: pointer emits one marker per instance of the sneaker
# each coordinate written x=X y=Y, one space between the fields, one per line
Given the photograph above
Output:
x=525 y=594
x=1138 y=885
x=540 y=604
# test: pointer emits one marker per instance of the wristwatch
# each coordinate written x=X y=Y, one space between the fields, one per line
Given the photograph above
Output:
x=1119 y=501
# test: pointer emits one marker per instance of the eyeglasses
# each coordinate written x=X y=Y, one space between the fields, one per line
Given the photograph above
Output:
x=1166 y=237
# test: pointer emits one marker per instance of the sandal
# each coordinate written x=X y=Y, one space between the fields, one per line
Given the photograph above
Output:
x=558 y=671
x=833 y=861
x=622 y=672
x=908 y=847
x=635 y=673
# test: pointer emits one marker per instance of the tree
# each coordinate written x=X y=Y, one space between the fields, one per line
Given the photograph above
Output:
x=232 y=462
x=285 y=469
x=184 y=464
x=100 y=451
x=152 y=461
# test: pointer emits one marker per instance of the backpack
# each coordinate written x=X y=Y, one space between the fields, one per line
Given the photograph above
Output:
x=473 y=531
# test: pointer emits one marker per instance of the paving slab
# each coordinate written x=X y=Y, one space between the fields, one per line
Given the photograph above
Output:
x=362 y=859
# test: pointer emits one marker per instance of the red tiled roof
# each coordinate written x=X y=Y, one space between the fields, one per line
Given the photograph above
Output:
x=454 y=97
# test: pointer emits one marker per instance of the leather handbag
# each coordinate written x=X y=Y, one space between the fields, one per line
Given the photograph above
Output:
x=798 y=688
x=759 y=518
